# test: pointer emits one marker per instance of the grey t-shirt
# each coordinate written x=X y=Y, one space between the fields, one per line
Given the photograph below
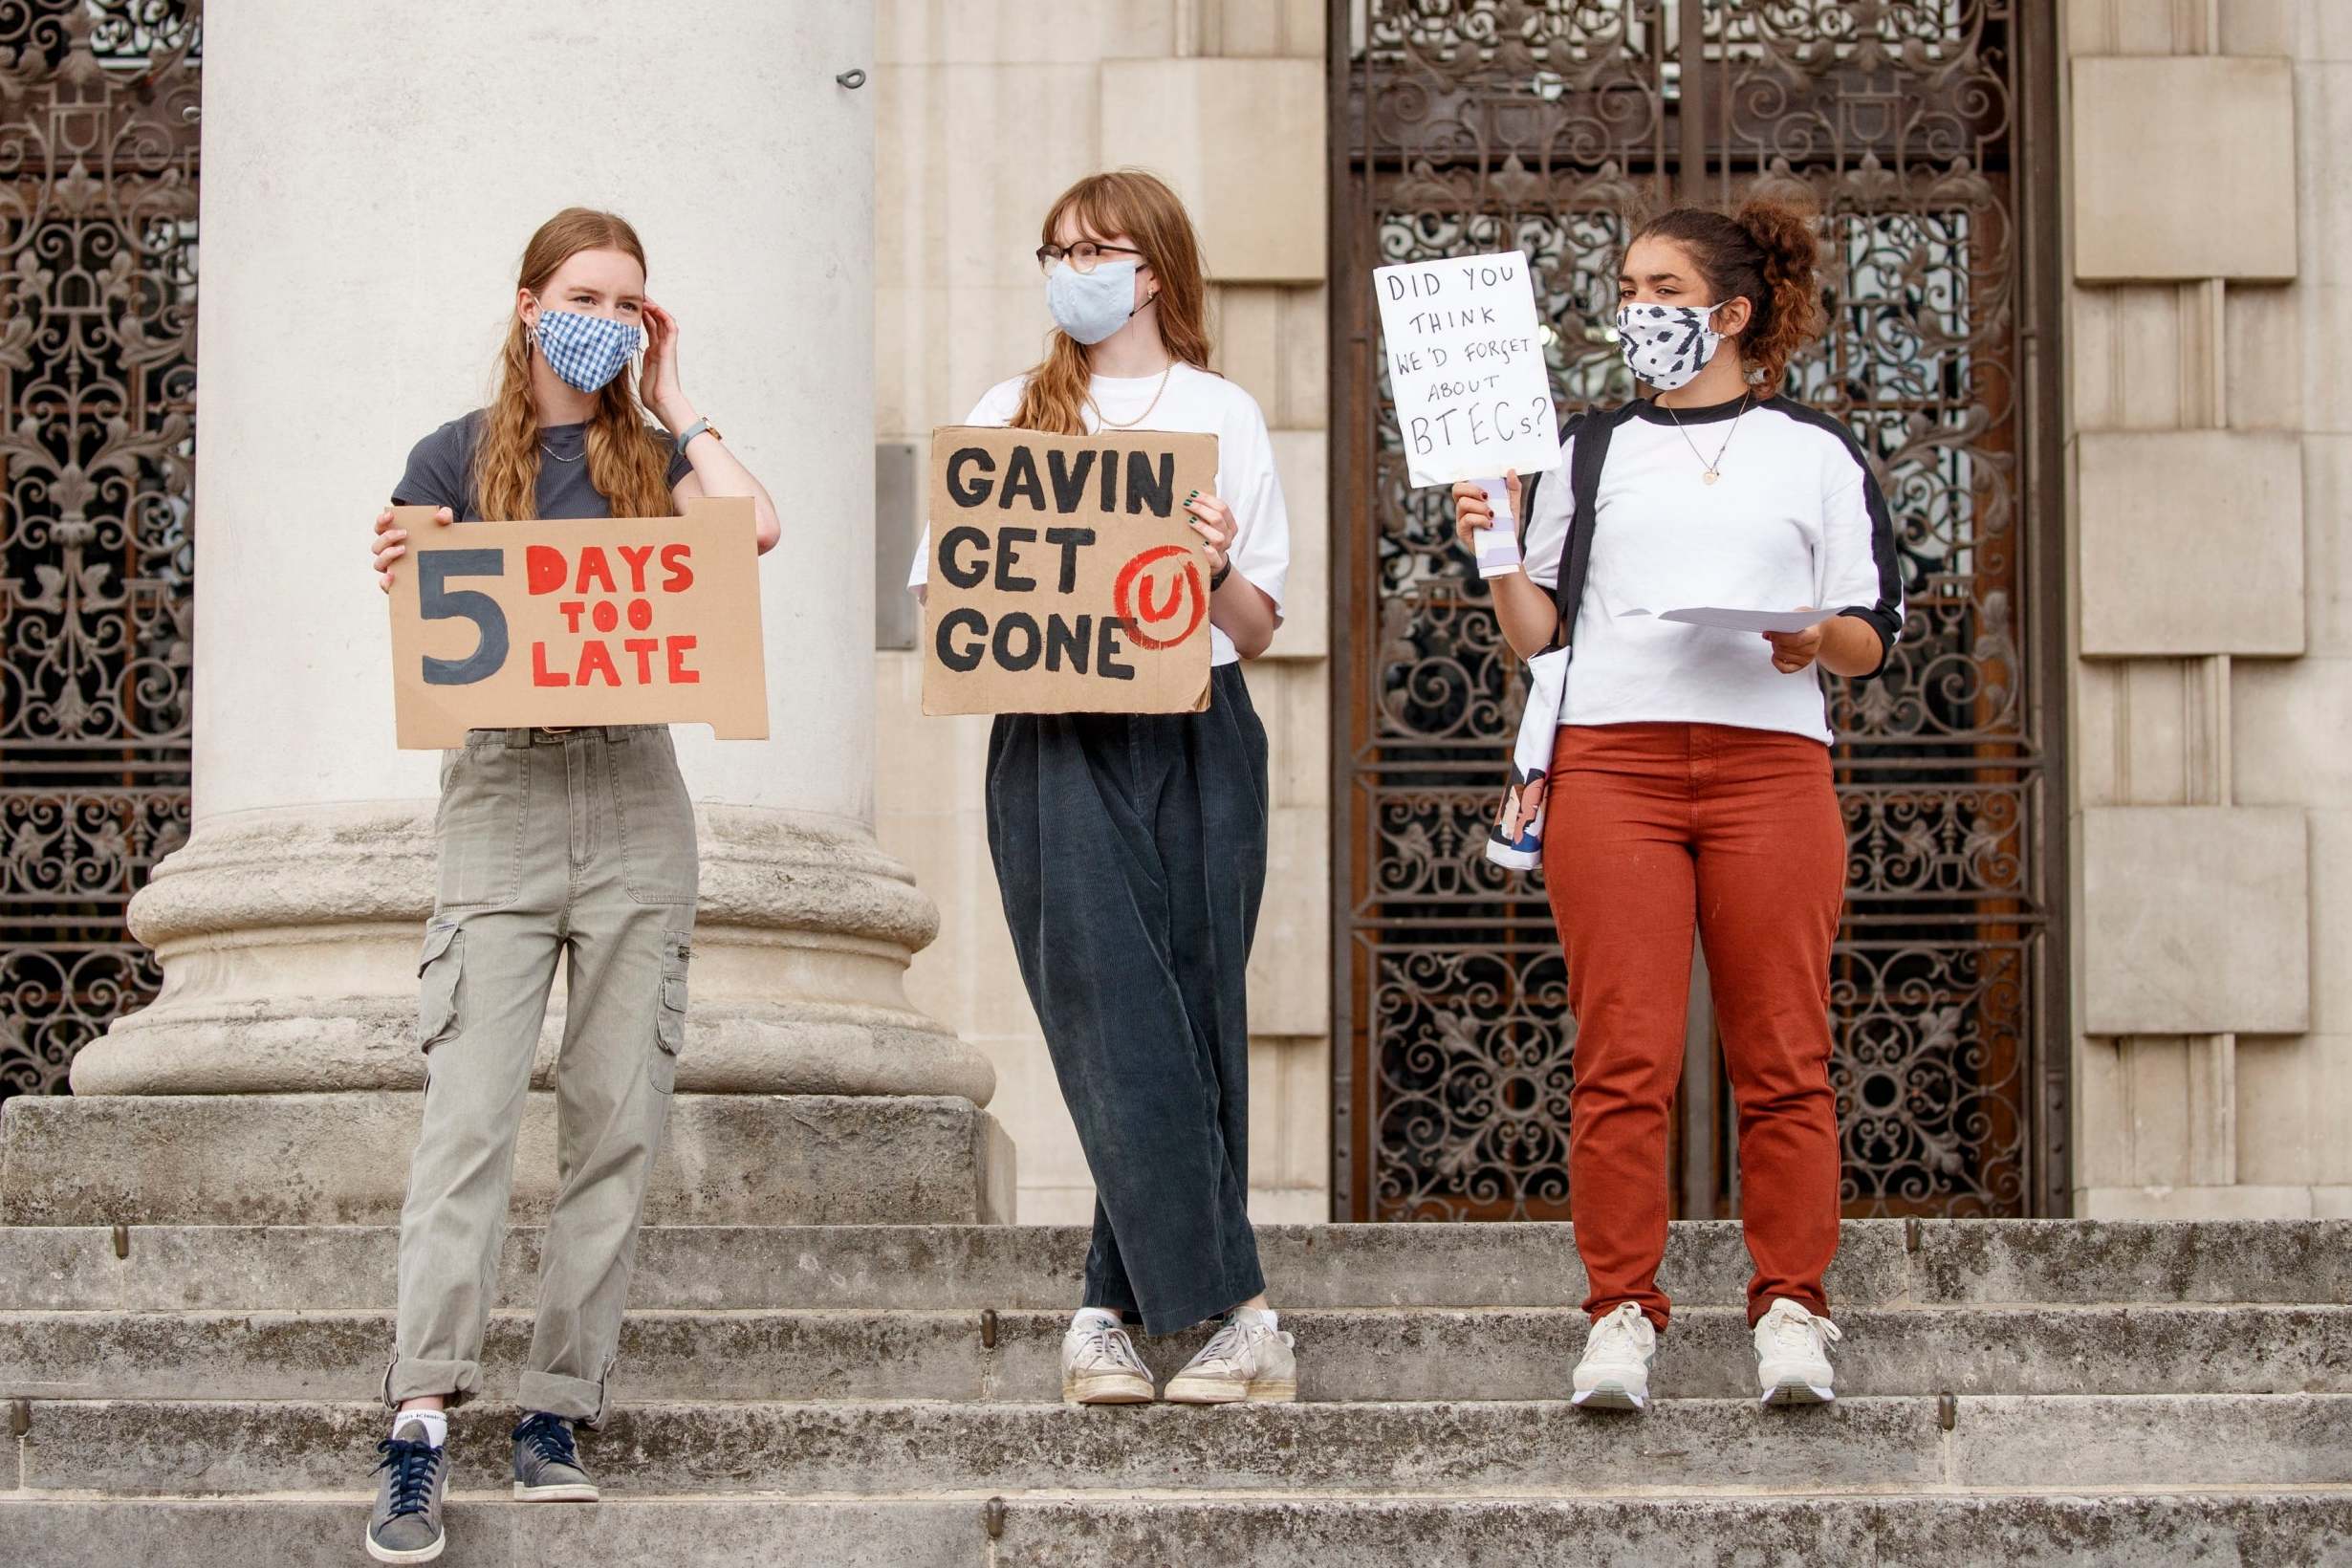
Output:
x=440 y=472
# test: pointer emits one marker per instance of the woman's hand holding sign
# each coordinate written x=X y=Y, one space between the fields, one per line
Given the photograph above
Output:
x=1472 y=512
x=391 y=543
x=1213 y=521
x=1239 y=609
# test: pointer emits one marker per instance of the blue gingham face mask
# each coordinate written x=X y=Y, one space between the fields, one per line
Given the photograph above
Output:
x=587 y=351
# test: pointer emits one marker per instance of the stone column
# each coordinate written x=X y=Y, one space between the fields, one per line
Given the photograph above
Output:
x=370 y=176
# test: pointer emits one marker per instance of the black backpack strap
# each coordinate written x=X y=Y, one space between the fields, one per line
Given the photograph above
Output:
x=1591 y=433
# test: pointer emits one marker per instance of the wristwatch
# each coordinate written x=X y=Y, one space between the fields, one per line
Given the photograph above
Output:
x=1216 y=578
x=694 y=429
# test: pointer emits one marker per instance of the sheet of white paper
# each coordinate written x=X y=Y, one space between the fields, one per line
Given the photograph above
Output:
x=1473 y=396
x=1739 y=621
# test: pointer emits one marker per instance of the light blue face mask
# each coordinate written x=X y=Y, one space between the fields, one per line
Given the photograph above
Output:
x=587 y=351
x=1091 y=306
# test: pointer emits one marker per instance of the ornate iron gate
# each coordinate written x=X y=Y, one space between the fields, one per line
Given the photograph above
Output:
x=98 y=396
x=1925 y=131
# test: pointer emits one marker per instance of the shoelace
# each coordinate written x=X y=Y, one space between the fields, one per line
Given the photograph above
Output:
x=1229 y=1343
x=549 y=1438
x=1808 y=1335
x=1111 y=1342
x=413 y=1466
x=1615 y=1332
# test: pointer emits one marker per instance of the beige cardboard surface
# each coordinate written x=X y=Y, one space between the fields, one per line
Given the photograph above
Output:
x=609 y=621
x=1065 y=576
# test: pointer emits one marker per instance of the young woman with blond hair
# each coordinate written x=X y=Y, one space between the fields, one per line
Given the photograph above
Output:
x=1130 y=849
x=573 y=846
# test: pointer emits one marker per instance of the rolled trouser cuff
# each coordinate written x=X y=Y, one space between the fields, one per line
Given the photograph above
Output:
x=575 y=1399
x=407 y=1377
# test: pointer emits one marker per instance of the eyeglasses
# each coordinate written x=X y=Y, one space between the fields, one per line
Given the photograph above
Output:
x=1082 y=256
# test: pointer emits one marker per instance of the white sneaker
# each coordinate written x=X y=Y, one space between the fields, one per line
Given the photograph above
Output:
x=1791 y=1355
x=1249 y=1359
x=1614 y=1374
x=1099 y=1364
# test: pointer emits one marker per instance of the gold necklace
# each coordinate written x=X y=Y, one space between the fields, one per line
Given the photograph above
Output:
x=1710 y=472
x=1105 y=422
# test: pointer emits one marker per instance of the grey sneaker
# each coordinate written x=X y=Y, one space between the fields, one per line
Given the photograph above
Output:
x=405 y=1526
x=1248 y=1358
x=547 y=1467
x=1099 y=1364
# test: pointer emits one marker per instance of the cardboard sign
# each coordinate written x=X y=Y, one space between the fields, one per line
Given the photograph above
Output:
x=1466 y=364
x=1065 y=576
x=607 y=621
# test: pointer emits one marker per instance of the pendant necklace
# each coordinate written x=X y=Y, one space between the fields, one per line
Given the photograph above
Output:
x=1709 y=472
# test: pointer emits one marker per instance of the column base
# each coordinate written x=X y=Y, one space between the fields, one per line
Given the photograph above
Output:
x=342 y=1159
x=289 y=943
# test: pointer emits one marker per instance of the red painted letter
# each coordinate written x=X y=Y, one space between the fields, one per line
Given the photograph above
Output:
x=674 y=561
x=594 y=655
x=679 y=646
x=570 y=609
x=644 y=649
x=592 y=563
x=637 y=555
x=543 y=567
x=540 y=674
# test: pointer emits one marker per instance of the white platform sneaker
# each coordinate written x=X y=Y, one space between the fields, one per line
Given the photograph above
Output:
x=1099 y=1364
x=1791 y=1355
x=1614 y=1374
x=1249 y=1359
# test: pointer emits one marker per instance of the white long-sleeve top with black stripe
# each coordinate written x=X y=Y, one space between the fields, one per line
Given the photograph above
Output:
x=1796 y=519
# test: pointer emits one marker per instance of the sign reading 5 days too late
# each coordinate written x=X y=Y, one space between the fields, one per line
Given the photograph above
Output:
x=559 y=623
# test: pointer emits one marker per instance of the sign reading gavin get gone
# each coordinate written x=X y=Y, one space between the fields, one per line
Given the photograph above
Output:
x=1466 y=365
x=1064 y=575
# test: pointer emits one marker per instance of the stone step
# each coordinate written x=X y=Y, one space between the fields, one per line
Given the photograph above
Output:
x=1359 y=1354
x=975 y=1267
x=341 y=1158
x=1992 y=1443
x=2277 y=1529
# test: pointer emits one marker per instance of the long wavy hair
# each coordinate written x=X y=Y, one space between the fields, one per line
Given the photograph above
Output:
x=628 y=461
x=1766 y=253
x=1139 y=205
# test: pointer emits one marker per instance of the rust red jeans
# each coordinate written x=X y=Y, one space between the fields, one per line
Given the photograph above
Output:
x=1654 y=829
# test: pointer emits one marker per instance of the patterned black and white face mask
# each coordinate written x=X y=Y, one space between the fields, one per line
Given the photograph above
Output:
x=1666 y=345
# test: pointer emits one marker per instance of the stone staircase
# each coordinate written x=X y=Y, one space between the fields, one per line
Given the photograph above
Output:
x=854 y=1394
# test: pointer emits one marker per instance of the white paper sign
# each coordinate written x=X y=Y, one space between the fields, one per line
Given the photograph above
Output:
x=1740 y=620
x=1466 y=363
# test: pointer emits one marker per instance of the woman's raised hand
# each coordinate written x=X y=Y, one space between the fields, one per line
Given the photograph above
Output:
x=1472 y=510
x=660 y=388
x=390 y=543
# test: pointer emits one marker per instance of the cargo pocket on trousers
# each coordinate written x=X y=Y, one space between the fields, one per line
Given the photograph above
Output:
x=437 y=974
x=669 y=1016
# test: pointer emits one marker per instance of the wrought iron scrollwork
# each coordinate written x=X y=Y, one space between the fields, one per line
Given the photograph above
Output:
x=1551 y=127
x=97 y=392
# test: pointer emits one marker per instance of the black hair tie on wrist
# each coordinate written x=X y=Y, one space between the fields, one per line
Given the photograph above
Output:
x=1216 y=578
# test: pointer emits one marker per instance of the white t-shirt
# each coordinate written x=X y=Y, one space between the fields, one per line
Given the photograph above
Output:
x=1794 y=519
x=1198 y=402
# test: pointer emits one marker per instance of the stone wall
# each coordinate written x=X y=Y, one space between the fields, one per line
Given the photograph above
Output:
x=985 y=112
x=2210 y=443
